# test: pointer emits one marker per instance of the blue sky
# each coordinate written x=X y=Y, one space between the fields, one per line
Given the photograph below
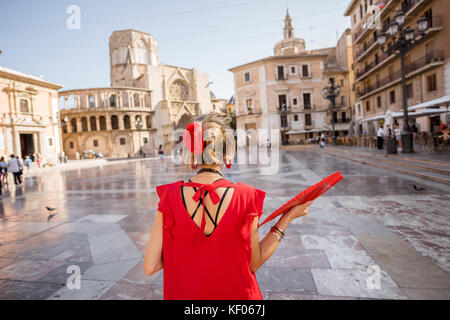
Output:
x=211 y=36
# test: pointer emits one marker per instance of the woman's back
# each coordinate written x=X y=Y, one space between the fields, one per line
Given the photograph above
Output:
x=207 y=250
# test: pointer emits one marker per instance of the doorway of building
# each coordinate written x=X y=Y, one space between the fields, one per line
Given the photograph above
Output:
x=26 y=144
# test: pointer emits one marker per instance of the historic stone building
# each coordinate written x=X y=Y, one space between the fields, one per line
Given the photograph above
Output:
x=378 y=83
x=146 y=102
x=284 y=91
x=29 y=116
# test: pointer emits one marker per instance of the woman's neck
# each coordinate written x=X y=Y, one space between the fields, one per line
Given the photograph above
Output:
x=211 y=174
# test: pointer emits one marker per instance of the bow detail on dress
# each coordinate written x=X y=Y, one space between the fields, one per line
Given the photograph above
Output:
x=200 y=194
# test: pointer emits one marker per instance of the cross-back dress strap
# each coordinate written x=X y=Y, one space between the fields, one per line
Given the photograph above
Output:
x=201 y=190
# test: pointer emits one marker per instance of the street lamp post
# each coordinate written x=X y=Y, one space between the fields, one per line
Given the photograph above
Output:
x=331 y=93
x=403 y=40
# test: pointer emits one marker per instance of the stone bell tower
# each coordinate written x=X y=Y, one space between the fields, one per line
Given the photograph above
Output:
x=131 y=53
x=290 y=45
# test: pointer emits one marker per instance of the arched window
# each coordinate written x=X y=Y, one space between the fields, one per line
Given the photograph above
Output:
x=114 y=123
x=120 y=55
x=126 y=122
x=93 y=123
x=24 y=105
x=141 y=53
x=91 y=102
x=71 y=102
x=64 y=126
x=84 y=125
x=102 y=123
x=73 y=125
x=148 y=122
x=62 y=102
x=137 y=100
x=112 y=100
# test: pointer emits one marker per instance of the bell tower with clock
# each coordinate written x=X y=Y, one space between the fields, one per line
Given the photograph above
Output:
x=131 y=54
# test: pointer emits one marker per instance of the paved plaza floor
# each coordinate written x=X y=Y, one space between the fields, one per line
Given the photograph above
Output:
x=373 y=236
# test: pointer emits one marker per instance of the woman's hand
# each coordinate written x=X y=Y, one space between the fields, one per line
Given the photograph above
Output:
x=298 y=211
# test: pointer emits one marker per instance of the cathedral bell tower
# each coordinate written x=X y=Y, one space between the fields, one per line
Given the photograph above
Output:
x=290 y=45
x=131 y=53
x=288 y=29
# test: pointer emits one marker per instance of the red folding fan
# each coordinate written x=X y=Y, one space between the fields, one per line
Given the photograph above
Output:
x=306 y=195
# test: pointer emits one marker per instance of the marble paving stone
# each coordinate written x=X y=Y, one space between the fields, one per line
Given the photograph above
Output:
x=56 y=246
x=295 y=258
x=60 y=275
x=427 y=294
x=24 y=290
x=5 y=262
x=280 y=279
x=355 y=224
x=9 y=237
x=300 y=296
x=392 y=245
x=79 y=253
x=114 y=246
x=28 y=270
x=129 y=291
x=140 y=239
x=32 y=227
x=342 y=251
x=6 y=225
x=407 y=267
x=89 y=290
x=89 y=228
x=137 y=276
x=102 y=218
x=110 y=271
x=353 y=283
x=320 y=228
x=414 y=272
x=291 y=241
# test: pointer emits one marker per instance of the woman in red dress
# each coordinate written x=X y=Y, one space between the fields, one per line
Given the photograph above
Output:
x=205 y=233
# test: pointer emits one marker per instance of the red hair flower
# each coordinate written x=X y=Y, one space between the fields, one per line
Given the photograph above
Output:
x=193 y=138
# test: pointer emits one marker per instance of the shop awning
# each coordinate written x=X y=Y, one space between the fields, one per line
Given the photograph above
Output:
x=443 y=101
x=307 y=131
x=415 y=114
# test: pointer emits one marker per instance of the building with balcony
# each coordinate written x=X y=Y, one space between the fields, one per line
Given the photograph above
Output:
x=29 y=116
x=146 y=103
x=284 y=91
x=378 y=80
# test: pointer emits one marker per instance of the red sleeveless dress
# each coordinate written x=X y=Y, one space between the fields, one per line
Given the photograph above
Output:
x=215 y=266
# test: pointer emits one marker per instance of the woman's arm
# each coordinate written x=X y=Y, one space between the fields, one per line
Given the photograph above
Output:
x=153 y=261
x=261 y=251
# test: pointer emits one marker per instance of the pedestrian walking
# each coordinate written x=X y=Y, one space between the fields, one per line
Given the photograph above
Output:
x=28 y=163
x=210 y=227
x=160 y=152
x=3 y=171
x=398 y=135
x=380 y=138
x=38 y=160
x=3 y=174
x=15 y=166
